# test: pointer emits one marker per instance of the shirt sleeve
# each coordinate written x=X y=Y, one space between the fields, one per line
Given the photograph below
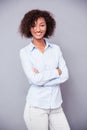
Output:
x=36 y=78
x=65 y=74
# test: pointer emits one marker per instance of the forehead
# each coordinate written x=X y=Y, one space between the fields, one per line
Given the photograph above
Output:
x=40 y=20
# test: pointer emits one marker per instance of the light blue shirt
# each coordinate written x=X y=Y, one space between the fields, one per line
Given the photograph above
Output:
x=44 y=91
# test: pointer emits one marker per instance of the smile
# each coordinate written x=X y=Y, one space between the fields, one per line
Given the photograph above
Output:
x=38 y=33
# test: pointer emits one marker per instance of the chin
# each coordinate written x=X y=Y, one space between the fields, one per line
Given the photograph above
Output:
x=39 y=38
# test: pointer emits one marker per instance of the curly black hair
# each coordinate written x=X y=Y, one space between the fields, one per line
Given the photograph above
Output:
x=29 y=19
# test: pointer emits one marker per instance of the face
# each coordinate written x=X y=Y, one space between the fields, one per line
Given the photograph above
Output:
x=39 y=29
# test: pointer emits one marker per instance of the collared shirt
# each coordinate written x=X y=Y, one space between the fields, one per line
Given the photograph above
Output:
x=44 y=91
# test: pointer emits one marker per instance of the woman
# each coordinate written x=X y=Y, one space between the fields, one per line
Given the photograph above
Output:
x=45 y=69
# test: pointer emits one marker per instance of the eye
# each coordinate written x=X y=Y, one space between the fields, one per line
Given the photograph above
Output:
x=42 y=25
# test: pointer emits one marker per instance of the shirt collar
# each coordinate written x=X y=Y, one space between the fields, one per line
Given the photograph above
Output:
x=32 y=46
x=48 y=45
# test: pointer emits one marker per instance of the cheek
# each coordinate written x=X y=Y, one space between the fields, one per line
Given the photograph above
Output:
x=45 y=29
x=32 y=31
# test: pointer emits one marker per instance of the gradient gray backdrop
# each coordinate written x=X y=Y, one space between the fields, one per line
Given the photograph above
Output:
x=70 y=35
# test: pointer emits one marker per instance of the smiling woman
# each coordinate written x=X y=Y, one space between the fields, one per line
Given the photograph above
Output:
x=39 y=28
x=38 y=31
x=31 y=17
x=45 y=68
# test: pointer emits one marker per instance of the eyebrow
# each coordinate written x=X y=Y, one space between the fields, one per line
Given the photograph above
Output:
x=42 y=22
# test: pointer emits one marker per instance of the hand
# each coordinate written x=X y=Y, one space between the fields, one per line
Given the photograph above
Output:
x=59 y=71
x=35 y=70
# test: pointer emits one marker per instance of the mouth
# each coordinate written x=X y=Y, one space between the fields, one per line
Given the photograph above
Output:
x=38 y=33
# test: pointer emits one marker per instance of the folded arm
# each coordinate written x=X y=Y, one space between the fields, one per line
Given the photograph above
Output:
x=40 y=78
x=63 y=76
x=63 y=72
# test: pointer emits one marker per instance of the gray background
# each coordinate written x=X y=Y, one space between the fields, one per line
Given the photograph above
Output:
x=70 y=35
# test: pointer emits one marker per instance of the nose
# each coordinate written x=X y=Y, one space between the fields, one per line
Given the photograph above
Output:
x=37 y=28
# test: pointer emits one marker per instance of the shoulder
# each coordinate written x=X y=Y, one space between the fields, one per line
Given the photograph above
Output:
x=56 y=47
x=23 y=52
x=25 y=49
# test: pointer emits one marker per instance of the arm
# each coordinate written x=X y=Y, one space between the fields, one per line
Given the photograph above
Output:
x=63 y=76
x=36 y=78
x=51 y=82
x=63 y=73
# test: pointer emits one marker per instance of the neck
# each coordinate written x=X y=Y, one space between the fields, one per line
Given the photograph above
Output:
x=39 y=43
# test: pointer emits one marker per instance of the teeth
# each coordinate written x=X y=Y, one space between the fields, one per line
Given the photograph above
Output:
x=38 y=33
